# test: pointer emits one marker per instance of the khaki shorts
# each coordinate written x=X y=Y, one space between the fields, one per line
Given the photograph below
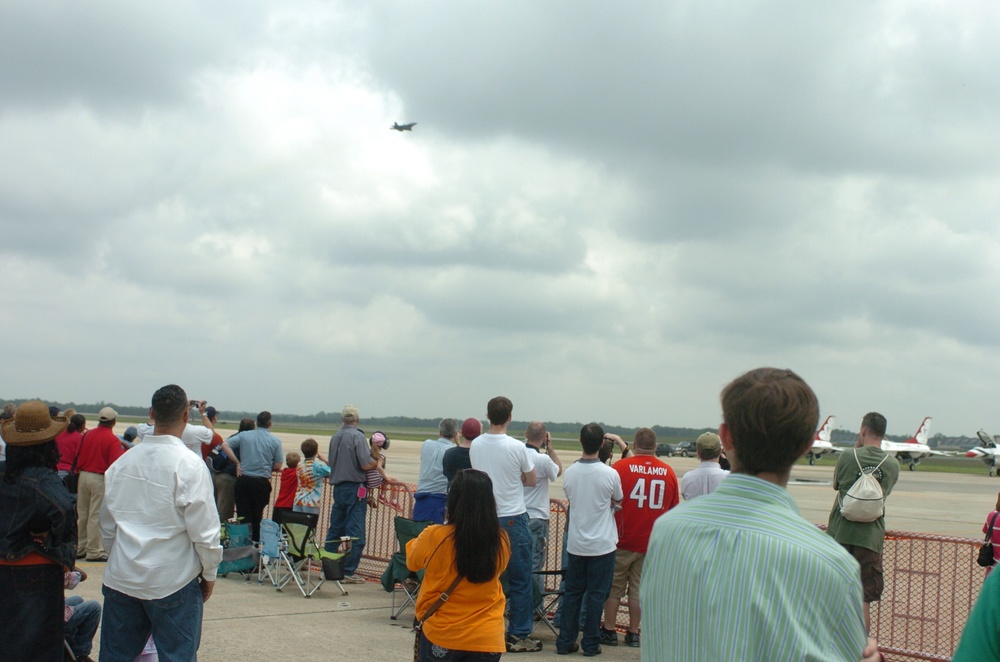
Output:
x=871 y=571
x=628 y=572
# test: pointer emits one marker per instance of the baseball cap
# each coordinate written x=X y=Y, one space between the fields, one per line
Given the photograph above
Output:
x=107 y=414
x=471 y=428
x=710 y=442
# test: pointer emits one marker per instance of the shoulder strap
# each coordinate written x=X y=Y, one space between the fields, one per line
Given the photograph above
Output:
x=989 y=534
x=860 y=468
x=443 y=598
x=79 y=447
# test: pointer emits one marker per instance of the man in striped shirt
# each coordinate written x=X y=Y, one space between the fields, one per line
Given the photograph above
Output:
x=738 y=574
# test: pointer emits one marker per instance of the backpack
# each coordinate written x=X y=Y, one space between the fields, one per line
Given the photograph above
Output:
x=864 y=501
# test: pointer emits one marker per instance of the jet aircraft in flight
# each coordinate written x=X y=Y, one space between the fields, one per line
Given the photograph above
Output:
x=402 y=127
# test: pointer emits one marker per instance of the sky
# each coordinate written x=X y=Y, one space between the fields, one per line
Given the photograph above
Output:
x=606 y=211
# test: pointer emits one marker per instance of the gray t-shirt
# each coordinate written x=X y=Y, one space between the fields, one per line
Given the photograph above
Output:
x=349 y=452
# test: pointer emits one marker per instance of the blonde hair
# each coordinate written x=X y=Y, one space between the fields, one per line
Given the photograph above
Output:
x=292 y=459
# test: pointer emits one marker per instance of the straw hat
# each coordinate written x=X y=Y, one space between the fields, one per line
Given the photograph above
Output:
x=32 y=425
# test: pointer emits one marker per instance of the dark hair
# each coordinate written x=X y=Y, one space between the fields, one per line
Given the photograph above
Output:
x=472 y=509
x=875 y=422
x=263 y=419
x=20 y=458
x=591 y=438
x=169 y=404
x=309 y=448
x=247 y=424
x=645 y=439
x=499 y=409
x=76 y=423
x=772 y=416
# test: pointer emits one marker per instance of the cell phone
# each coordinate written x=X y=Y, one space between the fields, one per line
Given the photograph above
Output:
x=192 y=403
x=362 y=491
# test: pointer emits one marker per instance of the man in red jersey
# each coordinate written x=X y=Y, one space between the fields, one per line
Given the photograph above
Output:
x=650 y=489
x=98 y=449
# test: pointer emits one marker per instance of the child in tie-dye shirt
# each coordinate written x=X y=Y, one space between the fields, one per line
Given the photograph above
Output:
x=311 y=473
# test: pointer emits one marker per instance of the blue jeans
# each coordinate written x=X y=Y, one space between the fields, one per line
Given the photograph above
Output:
x=31 y=612
x=347 y=518
x=539 y=529
x=429 y=507
x=590 y=575
x=174 y=621
x=82 y=625
x=430 y=652
x=519 y=575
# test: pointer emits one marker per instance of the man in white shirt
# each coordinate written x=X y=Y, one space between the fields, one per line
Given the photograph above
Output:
x=709 y=474
x=509 y=466
x=162 y=529
x=594 y=491
x=536 y=499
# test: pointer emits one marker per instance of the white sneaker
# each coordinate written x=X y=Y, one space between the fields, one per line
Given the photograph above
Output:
x=352 y=579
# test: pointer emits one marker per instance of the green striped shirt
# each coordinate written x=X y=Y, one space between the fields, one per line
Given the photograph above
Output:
x=739 y=575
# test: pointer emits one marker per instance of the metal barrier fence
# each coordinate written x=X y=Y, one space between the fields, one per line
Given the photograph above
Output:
x=931 y=581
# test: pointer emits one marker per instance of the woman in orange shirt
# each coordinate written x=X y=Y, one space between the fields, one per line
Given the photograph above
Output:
x=469 y=626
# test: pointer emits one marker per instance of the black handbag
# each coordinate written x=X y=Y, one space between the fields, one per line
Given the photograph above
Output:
x=986 y=558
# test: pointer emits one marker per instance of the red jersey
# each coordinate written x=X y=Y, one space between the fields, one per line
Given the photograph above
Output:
x=286 y=493
x=650 y=489
x=98 y=449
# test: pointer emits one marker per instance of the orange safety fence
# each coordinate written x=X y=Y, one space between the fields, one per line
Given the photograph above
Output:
x=931 y=581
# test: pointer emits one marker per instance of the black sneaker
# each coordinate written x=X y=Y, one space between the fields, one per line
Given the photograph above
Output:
x=596 y=651
x=609 y=637
x=632 y=639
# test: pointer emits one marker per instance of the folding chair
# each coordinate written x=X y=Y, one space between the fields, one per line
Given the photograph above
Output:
x=547 y=600
x=397 y=576
x=301 y=554
x=271 y=546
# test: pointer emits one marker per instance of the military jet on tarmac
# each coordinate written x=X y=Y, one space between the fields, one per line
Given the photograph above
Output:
x=821 y=442
x=987 y=452
x=402 y=127
x=914 y=449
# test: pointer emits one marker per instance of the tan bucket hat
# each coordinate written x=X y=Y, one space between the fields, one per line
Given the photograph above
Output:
x=32 y=425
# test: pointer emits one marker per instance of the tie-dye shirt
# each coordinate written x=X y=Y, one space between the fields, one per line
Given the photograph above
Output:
x=311 y=474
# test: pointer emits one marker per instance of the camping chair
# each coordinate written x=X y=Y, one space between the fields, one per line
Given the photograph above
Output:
x=271 y=546
x=238 y=552
x=546 y=599
x=302 y=555
x=396 y=573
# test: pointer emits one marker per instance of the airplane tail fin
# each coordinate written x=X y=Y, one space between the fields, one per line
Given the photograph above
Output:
x=923 y=432
x=823 y=434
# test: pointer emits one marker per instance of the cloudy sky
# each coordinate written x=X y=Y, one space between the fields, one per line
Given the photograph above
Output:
x=606 y=211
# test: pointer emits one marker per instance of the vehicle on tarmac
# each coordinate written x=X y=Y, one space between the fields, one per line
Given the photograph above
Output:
x=664 y=449
x=686 y=449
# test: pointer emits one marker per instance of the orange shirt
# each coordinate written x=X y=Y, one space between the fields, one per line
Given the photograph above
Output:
x=472 y=618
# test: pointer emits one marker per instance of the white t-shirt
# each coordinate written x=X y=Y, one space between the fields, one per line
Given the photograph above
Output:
x=504 y=458
x=591 y=486
x=536 y=499
x=193 y=436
